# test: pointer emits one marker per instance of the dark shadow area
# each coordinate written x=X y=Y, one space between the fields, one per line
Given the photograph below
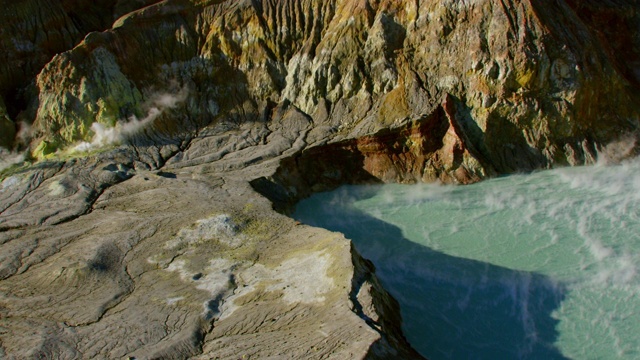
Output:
x=452 y=308
x=510 y=152
x=321 y=168
x=468 y=130
x=166 y=174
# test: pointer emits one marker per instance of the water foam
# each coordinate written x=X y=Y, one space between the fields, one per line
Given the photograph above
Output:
x=527 y=266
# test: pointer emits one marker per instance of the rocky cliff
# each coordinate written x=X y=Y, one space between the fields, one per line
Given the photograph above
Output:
x=160 y=135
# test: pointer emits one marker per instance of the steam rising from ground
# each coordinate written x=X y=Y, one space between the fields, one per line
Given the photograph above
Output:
x=617 y=151
x=9 y=158
x=105 y=136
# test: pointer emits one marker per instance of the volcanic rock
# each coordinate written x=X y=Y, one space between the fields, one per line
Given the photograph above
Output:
x=168 y=139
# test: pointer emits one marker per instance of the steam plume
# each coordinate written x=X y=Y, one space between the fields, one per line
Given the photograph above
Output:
x=10 y=158
x=105 y=136
x=617 y=151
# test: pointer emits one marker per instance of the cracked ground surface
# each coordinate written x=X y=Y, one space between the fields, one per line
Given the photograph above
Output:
x=110 y=257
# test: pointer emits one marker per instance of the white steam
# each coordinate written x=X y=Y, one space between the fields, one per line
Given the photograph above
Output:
x=10 y=158
x=617 y=151
x=24 y=133
x=105 y=136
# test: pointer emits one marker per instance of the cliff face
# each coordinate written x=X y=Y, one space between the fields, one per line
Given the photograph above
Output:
x=33 y=32
x=532 y=82
x=160 y=125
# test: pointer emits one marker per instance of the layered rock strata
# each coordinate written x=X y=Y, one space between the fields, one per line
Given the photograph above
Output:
x=166 y=138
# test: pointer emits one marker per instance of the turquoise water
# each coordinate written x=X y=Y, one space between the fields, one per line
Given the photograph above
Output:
x=540 y=266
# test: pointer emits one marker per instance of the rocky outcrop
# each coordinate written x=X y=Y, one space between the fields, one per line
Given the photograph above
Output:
x=35 y=31
x=531 y=80
x=168 y=131
x=432 y=148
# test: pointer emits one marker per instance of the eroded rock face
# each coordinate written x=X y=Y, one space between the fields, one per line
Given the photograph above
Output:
x=532 y=81
x=35 y=31
x=167 y=139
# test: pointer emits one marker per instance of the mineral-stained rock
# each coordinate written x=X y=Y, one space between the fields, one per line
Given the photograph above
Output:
x=34 y=31
x=169 y=131
x=531 y=81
